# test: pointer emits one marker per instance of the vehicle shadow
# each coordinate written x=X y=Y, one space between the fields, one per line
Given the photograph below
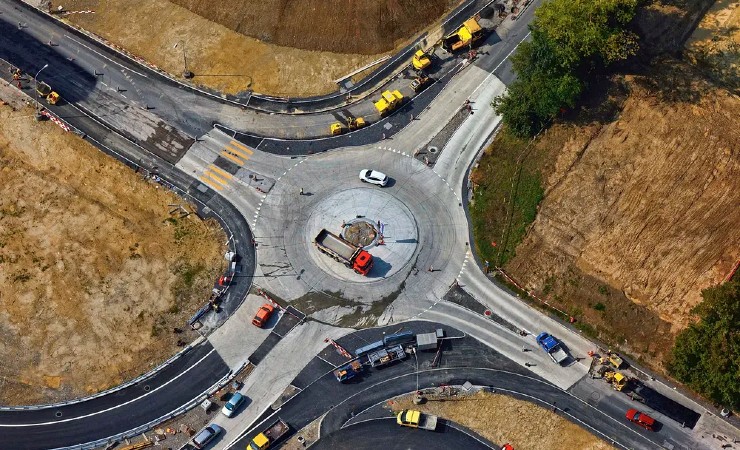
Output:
x=380 y=268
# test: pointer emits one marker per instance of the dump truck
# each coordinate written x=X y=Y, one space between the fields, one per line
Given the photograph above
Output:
x=348 y=371
x=270 y=436
x=416 y=419
x=464 y=37
x=44 y=90
x=421 y=60
x=388 y=102
x=345 y=252
x=552 y=347
x=386 y=356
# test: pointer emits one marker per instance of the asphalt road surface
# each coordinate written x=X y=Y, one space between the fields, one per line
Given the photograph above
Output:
x=385 y=433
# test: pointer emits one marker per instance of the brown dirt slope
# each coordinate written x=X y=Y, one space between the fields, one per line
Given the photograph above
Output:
x=94 y=272
x=646 y=206
x=339 y=26
x=501 y=419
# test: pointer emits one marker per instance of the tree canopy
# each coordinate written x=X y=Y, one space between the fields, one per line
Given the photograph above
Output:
x=570 y=38
x=706 y=355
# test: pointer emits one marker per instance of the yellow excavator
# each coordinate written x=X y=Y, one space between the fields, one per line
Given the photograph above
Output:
x=421 y=60
x=353 y=123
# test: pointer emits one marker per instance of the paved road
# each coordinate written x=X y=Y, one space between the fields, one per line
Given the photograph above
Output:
x=59 y=426
x=384 y=433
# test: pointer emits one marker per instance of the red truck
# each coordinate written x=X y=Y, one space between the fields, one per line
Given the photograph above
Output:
x=347 y=253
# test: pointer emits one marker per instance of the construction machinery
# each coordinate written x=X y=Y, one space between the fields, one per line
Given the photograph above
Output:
x=270 y=436
x=618 y=381
x=353 y=123
x=421 y=60
x=463 y=37
x=389 y=101
x=420 y=82
x=45 y=91
x=612 y=358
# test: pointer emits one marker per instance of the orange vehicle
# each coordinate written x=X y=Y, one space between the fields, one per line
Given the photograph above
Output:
x=263 y=315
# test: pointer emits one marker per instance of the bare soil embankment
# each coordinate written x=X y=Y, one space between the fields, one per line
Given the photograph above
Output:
x=95 y=273
x=272 y=47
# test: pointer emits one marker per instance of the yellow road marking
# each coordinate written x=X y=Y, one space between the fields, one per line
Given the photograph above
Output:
x=246 y=149
x=215 y=177
x=232 y=157
x=210 y=183
x=237 y=152
x=220 y=171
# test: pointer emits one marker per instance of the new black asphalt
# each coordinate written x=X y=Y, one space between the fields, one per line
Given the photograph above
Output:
x=462 y=359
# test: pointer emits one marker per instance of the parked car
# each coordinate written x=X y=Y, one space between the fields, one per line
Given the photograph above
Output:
x=373 y=177
x=263 y=315
x=641 y=419
x=206 y=435
x=231 y=407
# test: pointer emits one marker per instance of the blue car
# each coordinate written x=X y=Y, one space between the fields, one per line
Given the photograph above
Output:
x=233 y=404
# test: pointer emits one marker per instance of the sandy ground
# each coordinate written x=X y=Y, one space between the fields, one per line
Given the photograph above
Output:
x=715 y=44
x=94 y=272
x=499 y=419
x=289 y=60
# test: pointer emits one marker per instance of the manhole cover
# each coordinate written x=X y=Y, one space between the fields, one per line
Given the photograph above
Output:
x=432 y=150
x=58 y=414
x=147 y=388
x=487 y=313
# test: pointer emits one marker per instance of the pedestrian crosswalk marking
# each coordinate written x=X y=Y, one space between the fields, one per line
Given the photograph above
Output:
x=246 y=149
x=232 y=157
x=237 y=152
x=215 y=177
x=221 y=172
x=211 y=183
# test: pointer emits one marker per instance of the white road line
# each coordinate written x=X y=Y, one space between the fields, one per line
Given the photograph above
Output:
x=103 y=56
x=113 y=407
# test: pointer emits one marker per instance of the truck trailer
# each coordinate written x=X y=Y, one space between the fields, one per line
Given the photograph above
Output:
x=345 y=252
x=386 y=356
x=270 y=436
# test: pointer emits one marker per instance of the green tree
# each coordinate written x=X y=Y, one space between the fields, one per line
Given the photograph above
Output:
x=706 y=355
x=570 y=38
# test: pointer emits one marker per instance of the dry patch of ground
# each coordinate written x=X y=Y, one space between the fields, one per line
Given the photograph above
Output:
x=640 y=214
x=286 y=49
x=501 y=419
x=94 y=272
x=715 y=43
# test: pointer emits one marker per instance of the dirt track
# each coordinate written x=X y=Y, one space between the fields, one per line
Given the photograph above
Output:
x=94 y=272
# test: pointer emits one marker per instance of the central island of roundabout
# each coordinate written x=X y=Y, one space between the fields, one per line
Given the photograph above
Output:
x=414 y=228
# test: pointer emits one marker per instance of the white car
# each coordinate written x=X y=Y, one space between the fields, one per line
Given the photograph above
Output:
x=231 y=407
x=373 y=177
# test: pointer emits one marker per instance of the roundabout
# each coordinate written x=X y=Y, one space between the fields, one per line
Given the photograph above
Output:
x=408 y=227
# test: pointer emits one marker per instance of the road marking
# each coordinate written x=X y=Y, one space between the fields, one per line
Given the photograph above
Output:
x=242 y=154
x=246 y=149
x=215 y=177
x=112 y=407
x=211 y=183
x=232 y=157
x=103 y=56
x=221 y=171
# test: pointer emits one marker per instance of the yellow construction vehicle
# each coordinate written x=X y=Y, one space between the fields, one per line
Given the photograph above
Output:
x=420 y=82
x=355 y=123
x=464 y=36
x=336 y=129
x=44 y=90
x=617 y=380
x=612 y=358
x=388 y=102
x=421 y=60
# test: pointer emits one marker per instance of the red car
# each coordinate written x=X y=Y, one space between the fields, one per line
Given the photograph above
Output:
x=263 y=315
x=641 y=419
